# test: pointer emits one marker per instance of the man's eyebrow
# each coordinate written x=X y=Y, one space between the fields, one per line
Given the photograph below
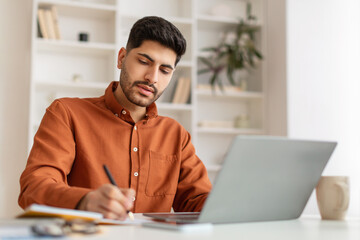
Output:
x=152 y=60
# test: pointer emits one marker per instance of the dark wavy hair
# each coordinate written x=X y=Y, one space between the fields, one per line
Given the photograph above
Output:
x=157 y=29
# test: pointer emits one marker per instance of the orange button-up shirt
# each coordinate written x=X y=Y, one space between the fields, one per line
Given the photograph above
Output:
x=154 y=156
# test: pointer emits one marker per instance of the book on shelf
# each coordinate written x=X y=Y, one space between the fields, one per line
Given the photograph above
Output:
x=182 y=91
x=42 y=23
x=50 y=24
x=177 y=92
x=55 y=18
x=186 y=92
x=39 y=34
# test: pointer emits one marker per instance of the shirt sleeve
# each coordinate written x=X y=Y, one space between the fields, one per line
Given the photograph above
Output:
x=194 y=184
x=44 y=180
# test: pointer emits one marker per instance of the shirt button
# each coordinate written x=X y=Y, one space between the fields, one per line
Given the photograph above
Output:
x=136 y=174
x=135 y=128
x=116 y=114
x=133 y=199
x=135 y=149
x=123 y=112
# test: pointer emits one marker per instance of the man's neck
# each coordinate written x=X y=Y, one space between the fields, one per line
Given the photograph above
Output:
x=137 y=113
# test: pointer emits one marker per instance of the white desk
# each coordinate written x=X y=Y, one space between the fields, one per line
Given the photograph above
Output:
x=305 y=228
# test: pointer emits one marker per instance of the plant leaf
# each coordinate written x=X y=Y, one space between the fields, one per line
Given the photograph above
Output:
x=230 y=72
x=258 y=54
x=208 y=49
x=206 y=62
x=202 y=71
x=213 y=79
x=220 y=85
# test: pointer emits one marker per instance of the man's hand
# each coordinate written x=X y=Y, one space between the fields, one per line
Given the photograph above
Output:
x=109 y=200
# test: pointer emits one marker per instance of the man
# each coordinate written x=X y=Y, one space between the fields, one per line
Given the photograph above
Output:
x=151 y=157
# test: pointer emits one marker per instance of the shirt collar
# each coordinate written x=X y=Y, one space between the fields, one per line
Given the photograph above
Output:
x=113 y=105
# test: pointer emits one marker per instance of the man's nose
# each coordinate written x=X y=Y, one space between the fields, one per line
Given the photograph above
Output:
x=152 y=75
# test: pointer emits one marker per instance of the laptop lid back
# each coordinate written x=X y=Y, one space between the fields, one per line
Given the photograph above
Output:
x=266 y=178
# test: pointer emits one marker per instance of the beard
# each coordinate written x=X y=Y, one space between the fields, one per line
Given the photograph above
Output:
x=131 y=93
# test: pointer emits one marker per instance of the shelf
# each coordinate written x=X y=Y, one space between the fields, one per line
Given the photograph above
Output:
x=81 y=86
x=174 y=20
x=81 y=10
x=179 y=20
x=209 y=19
x=219 y=24
x=174 y=106
x=89 y=48
x=229 y=94
x=206 y=19
x=204 y=54
x=80 y=4
x=232 y=131
x=57 y=64
x=216 y=24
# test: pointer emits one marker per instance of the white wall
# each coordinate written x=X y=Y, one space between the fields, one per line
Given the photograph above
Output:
x=15 y=31
x=323 y=59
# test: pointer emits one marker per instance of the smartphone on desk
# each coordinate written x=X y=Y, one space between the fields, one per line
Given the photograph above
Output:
x=184 y=227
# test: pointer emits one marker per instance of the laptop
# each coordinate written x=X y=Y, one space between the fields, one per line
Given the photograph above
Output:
x=263 y=178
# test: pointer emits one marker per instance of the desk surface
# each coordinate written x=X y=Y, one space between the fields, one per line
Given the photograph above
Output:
x=305 y=228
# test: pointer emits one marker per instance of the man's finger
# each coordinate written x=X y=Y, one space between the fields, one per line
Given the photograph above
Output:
x=123 y=196
x=114 y=207
x=128 y=192
x=112 y=192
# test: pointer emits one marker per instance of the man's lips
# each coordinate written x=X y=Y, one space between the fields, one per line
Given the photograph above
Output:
x=145 y=89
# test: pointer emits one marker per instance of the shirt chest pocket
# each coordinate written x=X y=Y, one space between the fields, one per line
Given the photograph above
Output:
x=163 y=174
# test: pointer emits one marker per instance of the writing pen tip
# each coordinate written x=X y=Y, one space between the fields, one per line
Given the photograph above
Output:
x=131 y=216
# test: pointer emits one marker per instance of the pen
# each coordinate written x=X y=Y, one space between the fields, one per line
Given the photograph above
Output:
x=107 y=171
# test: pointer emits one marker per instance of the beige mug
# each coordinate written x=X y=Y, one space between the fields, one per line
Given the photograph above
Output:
x=332 y=194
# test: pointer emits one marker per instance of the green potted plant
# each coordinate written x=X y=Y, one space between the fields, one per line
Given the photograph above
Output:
x=236 y=51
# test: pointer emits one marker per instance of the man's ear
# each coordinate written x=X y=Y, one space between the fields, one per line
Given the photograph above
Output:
x=121 y=56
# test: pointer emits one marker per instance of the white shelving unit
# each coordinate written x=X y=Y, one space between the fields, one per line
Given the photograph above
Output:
x=68 y=67
x=212 y=143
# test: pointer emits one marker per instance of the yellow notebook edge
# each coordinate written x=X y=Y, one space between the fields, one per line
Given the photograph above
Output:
x=37 y=210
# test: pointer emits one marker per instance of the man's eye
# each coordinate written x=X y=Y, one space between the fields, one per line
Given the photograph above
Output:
x=164 y=71
x=142 y=62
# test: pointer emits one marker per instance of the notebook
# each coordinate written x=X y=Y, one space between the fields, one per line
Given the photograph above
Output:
x=37 y=210
x=263 y=178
